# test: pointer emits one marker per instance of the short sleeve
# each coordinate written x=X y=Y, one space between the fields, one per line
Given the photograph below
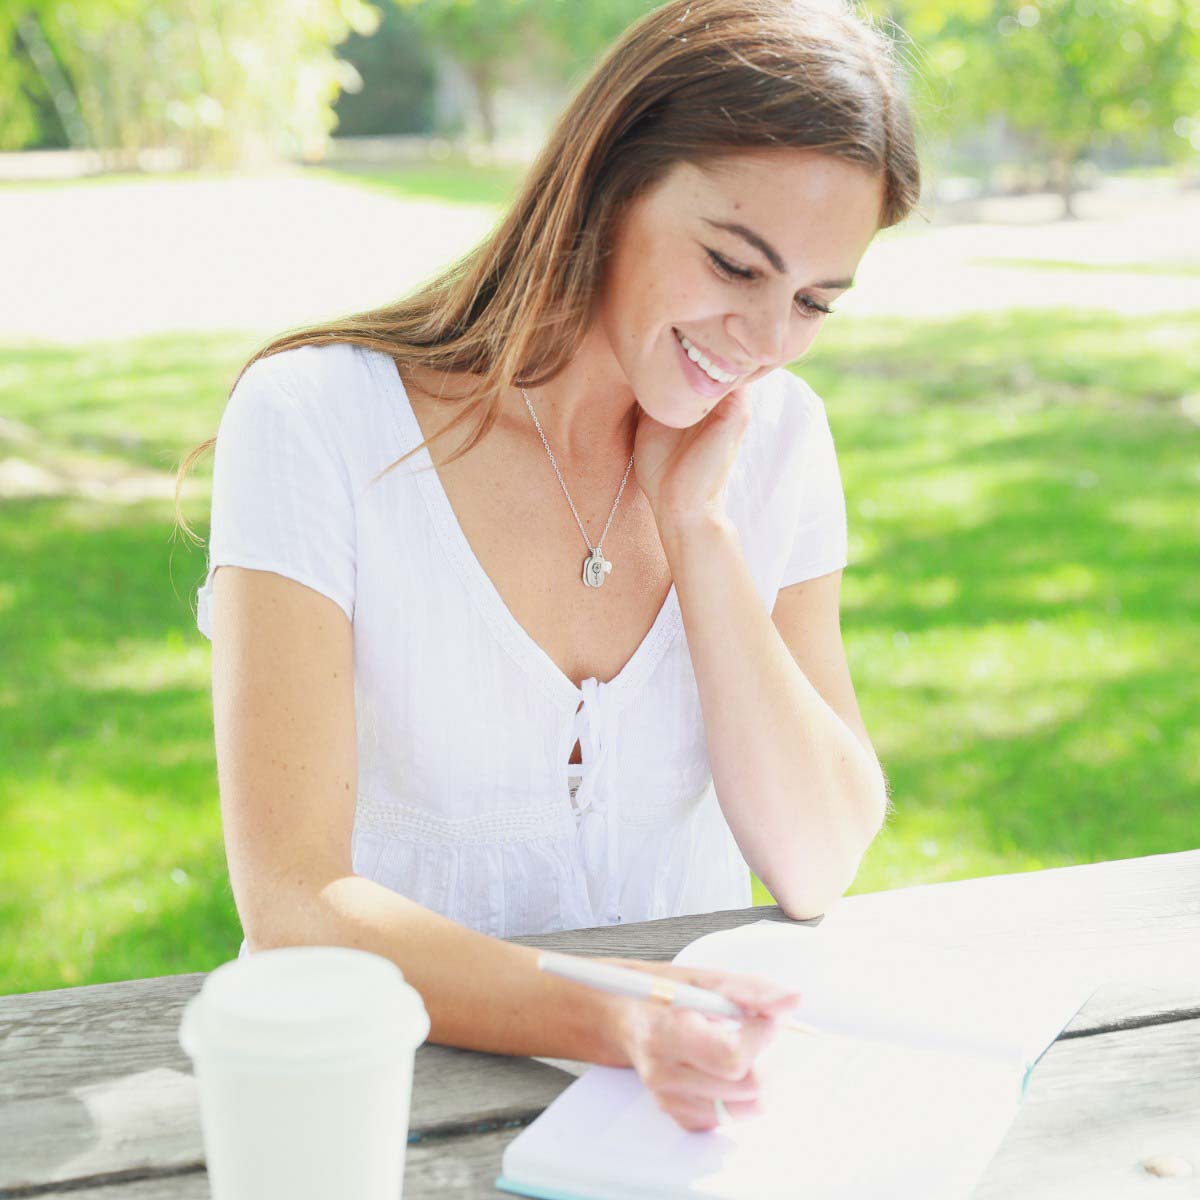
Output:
x=819 y=537
x=281 y=494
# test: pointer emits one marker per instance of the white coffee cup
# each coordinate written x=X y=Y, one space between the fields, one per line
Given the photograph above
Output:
x=303 y=1056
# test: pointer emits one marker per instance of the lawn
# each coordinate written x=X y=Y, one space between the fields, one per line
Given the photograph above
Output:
x=1021 y=615
x=452 y=180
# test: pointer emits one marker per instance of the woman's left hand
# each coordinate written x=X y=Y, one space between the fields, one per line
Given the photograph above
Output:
x=683 y=471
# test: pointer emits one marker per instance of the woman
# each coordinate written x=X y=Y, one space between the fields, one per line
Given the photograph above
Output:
x=502 y=692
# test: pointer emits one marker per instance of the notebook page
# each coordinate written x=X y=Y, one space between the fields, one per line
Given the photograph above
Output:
x=910 y=1094
x=840 y=1120
x=921 y=995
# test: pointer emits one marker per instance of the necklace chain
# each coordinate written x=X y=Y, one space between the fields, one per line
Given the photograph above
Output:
x=566 y=493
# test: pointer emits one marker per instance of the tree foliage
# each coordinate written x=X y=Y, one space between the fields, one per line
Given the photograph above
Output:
x=1069 y=75
x=399 y=75
x=221 y=79
x=500 y=42
x=224 y=81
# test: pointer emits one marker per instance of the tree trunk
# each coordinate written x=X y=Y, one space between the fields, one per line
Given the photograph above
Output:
x=483 y=80
x=57 y=86
x=1065 y=171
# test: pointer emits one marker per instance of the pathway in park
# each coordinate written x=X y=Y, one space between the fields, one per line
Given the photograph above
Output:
x=264 y=253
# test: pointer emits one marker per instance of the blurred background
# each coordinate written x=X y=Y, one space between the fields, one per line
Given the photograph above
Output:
x=1013 y=385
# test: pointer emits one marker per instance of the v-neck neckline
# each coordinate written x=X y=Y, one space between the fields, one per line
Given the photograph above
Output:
x=511 y=634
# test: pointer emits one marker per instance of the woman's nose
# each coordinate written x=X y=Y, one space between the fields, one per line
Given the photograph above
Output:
x=763 y=338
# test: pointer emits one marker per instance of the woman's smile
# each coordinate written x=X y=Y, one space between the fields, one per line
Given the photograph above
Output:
x=700 y=380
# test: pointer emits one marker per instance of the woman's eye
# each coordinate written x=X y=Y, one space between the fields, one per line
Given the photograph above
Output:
x=813 y=306
x=727 y=268
x=743 y=274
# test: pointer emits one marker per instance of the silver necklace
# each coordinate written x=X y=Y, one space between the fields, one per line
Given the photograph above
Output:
x=595 y=567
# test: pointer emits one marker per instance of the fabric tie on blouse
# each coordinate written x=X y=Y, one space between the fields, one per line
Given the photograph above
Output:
x=596 y=731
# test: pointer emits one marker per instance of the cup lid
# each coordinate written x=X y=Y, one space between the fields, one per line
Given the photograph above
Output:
x=305 y=1004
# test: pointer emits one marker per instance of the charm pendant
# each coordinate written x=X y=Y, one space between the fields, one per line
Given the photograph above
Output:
x=595 y=568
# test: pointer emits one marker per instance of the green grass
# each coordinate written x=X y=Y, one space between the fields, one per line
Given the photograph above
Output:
x=1023 y=605
x=1021 y=615
x=1057 y=264
x=118 y=178
x=452 y=181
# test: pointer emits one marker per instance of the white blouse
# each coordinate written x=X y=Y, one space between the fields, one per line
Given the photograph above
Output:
x=466 y=801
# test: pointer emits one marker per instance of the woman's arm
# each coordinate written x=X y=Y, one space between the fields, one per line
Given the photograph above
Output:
x=481 y=993
x=800 y=786
x=283 y=713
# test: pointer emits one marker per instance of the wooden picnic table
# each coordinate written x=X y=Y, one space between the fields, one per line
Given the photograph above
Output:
x=97 y=1099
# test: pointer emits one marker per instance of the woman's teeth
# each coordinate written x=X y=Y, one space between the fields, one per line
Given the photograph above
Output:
x=703 y=363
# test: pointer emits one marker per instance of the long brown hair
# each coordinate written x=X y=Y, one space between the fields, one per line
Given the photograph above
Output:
x=690 y=81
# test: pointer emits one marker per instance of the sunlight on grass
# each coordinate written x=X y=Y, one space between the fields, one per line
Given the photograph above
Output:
x=455 y=181
x=1152 y=516
x=1054 y=264
x=130 y=665
x=1066 y=581
x=139 y=402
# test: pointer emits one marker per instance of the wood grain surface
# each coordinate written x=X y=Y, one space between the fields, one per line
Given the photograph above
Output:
x=97 y=1098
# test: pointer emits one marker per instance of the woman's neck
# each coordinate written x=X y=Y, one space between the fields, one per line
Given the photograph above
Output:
x=586 y=411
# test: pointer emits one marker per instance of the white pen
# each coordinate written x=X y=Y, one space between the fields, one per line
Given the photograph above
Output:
x=649 y=986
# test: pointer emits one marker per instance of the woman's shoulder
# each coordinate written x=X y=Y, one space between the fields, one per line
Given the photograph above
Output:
x=339 y=389
x=786 y=413
x=312 y=373
x=787 y=395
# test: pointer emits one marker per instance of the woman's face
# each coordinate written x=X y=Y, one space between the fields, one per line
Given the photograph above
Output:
x=748 y=301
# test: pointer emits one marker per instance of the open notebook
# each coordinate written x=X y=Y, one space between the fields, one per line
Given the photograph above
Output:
x=920 y=1069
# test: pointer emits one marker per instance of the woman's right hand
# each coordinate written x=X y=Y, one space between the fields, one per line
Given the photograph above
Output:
x=688 y=1060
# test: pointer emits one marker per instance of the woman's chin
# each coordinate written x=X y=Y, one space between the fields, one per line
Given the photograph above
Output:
x=680 y=412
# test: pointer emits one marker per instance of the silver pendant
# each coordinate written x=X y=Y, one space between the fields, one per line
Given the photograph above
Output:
x=595 y=568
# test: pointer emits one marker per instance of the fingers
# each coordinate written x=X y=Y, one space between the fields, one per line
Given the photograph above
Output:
x=725 y=1049
x=698 y=1116
x=689 y=1083
x=753 y=993
x=695 y=1060
x=688 y=1060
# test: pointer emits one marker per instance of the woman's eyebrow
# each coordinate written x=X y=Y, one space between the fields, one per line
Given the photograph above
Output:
x=769 y=252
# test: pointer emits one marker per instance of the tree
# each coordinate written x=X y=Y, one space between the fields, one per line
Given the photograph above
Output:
x=487 y=38
x=245 y=78
x=1067 y=74
x=398 y=74
x=510 y=41
x=578 y=32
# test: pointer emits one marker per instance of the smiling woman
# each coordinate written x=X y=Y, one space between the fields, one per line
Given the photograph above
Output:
x=682 y=270
x=430 y=737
